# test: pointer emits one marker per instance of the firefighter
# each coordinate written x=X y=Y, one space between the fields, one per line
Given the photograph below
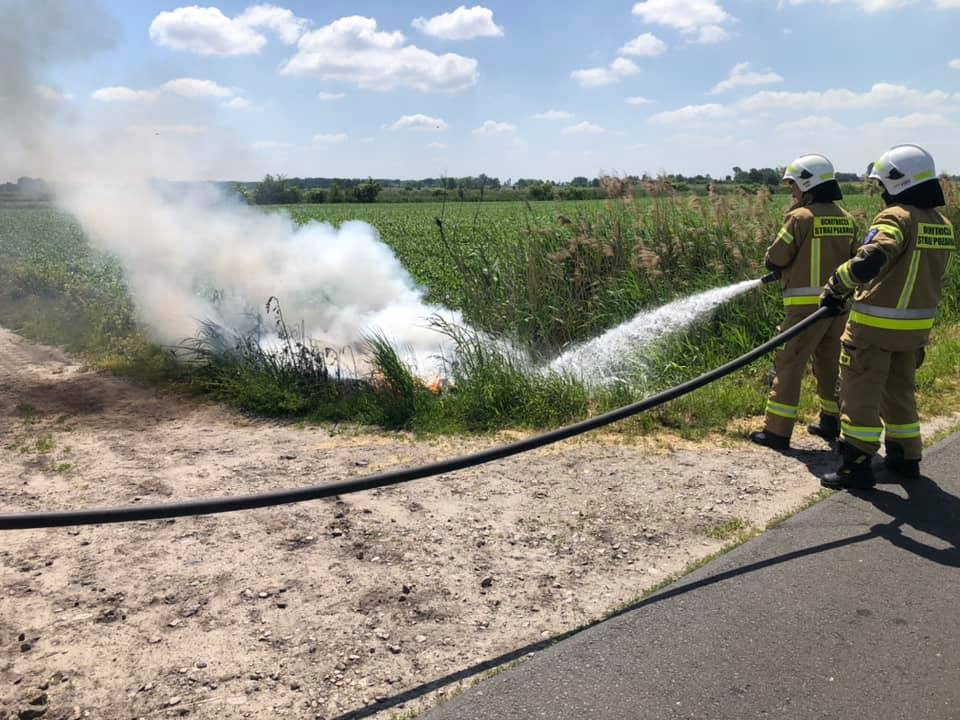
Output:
x=817 y=236
x=896 y=280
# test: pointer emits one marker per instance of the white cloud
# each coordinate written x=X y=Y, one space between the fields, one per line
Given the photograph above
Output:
x=461 y=24
x=955 y=64
x=282 y=21
x=193 y=88
x=269 y=145
x=51 y=95
x=812 y=108
x=693 y=116
x=869 y=6
x=190 y=88
x=237 y=103
x=183 y=130
x=419 y=122
x=492 y=127
x=637 y=100
x=207 y=31
x=553 y=115
x=646 y=45
x=915 y=120
x=696 y=18
x=119 y=93
x=583 y=128
x=437 y=146
x=329 y=96
x=352 y=50
x=742 y=75
x=330 y=138
x=810 y=124
x=880 y=95
x=711 y=35
x=594 y=77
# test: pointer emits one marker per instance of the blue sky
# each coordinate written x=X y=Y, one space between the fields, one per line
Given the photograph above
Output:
x=364 y=88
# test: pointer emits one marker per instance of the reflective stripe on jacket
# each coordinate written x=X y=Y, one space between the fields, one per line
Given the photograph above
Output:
x=896 y=309
x=813 y=241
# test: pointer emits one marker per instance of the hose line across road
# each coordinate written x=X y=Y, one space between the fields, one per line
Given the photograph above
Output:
x=133 y=513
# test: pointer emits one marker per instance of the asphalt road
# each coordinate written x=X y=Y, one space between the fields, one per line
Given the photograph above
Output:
x=849 y=610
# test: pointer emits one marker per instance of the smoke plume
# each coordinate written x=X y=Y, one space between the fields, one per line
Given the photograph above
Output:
x=176 y=247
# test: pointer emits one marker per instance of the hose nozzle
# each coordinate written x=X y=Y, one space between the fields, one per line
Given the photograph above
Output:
x=770 y=277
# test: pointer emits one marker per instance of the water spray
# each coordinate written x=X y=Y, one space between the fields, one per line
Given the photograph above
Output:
x=618 y=353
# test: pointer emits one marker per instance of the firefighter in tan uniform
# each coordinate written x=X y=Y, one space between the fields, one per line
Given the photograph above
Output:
x=817 y=237
x=897 y=277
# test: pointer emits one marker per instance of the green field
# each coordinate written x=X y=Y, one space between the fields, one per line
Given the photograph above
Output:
x=543 y=275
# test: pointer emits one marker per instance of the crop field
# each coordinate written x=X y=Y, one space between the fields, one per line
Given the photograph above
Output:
x=541 y=275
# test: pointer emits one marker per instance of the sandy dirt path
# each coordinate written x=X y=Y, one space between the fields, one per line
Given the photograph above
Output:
x=333 y=608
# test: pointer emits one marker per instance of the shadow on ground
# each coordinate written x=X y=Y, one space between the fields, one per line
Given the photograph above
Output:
x=925 y=508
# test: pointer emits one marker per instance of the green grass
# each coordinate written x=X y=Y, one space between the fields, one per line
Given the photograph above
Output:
x=732 y=528
x=542 y=275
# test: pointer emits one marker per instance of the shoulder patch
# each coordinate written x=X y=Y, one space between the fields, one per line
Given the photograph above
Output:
x=870 y=236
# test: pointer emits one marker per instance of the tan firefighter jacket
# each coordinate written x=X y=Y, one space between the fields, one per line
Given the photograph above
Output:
x=815 y=239
x=896 y=309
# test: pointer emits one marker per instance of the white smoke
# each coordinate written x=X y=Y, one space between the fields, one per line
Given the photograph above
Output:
x=341 y=283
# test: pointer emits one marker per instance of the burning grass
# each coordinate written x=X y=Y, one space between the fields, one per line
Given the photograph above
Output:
x=543 y=276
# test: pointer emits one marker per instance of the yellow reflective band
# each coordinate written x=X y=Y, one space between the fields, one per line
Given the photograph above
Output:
x=829 y=406
x=891 y=230
x=809 y=300
x=843 y=272
x=815 y=262
x=911 y=280
x=785 y=235
x=859 y=432
x=827 y=176
x=923 y=176
x=791 y=168
x=936 y=237
x=890 y=323
x=786 y=411
x=903 y=432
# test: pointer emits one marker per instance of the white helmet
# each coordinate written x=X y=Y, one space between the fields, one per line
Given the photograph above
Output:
x=808 y=171
x=903 y=166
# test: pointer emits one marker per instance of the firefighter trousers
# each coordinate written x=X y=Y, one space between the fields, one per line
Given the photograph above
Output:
x=878 y=397
x=820 y=342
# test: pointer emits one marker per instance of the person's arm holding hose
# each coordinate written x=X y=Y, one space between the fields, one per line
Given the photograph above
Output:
x=883 y=243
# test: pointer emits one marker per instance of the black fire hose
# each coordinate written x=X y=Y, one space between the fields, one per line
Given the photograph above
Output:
x=131 y=513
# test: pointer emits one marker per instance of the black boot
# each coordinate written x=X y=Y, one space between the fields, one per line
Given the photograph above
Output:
x=771 y=440
x=895 y=462
x=855 y=472
x=828 y=428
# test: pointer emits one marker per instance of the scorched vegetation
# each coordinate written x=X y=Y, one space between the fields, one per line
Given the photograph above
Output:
x=540 y=276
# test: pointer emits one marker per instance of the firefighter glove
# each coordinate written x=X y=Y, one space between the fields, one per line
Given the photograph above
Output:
x=835 y=297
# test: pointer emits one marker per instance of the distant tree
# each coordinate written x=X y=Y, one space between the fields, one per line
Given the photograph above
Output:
x=580 y=181
x=538 y=190
x=334 y=193
x=273 y=190
x=367 y=191
x=316 y=196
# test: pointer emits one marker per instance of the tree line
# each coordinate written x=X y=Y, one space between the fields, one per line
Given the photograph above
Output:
x=277 y=189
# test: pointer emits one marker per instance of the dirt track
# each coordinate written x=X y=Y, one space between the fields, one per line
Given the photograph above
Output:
x=318 y=610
